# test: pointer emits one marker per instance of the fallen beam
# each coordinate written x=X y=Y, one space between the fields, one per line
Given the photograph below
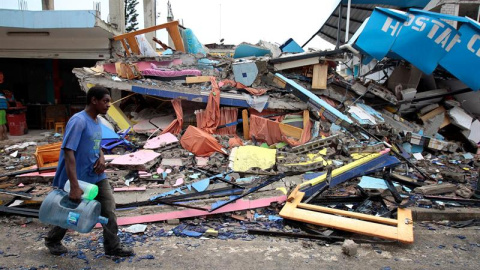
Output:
x=400 y=229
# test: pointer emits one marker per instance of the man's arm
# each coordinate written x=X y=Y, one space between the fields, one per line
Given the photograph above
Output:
x=99 y=166
x=70 y=165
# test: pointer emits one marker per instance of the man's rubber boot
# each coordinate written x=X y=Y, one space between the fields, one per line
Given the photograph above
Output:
x=120 y=252
x=56 y=248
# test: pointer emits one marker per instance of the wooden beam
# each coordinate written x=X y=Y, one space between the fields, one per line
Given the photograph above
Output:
x=197 y=79
x=290 y=131
x=400 y=229
x=348 y=214
x=246 y=125
x=172 y=29
x=432 y=114
x=320 y=73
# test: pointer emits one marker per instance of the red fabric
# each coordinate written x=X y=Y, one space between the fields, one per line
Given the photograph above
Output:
x=212 y=112
x=176 y=125
x=266 y=130
x=235 y=141
x=253 y=91
x=227 y=115
x=200 y=142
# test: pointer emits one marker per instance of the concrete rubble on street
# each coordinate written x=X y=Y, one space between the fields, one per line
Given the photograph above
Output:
x=274 y=141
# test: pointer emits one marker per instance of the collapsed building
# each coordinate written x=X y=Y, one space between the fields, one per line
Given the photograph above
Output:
x=348 y=139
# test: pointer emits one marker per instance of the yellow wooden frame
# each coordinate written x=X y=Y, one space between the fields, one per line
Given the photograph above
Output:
x=400 y=229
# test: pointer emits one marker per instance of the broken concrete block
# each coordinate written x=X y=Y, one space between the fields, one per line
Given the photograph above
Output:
x=174 y=221
x=428 y=108
x=172 y=162
x=453 y=176
x=460 y=118
x=436 y=189
x=433 y=125
x=349 y=247
x=408 y=94
x=464 y=192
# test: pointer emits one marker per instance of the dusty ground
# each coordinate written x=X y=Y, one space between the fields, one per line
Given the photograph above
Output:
x=435 y=247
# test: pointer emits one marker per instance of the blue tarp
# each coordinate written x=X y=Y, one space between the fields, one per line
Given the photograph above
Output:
x=425 y=40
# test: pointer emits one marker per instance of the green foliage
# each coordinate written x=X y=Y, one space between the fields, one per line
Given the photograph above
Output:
x=131 y=23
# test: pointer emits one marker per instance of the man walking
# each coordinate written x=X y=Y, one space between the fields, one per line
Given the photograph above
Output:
x=82 y=159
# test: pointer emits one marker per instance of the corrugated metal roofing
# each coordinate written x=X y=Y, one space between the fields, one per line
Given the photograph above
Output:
x=359 y=11
x=358 y=14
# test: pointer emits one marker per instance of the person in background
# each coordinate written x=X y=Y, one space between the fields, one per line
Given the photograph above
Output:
x=3 y=112
x=81 y=158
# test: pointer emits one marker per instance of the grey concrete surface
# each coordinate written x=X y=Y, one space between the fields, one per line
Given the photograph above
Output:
x=435 y=247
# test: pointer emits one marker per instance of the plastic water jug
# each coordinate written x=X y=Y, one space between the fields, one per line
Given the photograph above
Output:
x=58 y=209
x=90 y=191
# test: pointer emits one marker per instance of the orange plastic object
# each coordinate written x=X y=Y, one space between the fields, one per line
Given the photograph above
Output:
x=200 y=142
x=47 y=155
x=176 y=125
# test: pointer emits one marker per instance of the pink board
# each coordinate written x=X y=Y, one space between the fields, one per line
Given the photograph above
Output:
x=236 y=206
x=138 y=158
x=33 y=174
x=160 y=141
x=129 y=189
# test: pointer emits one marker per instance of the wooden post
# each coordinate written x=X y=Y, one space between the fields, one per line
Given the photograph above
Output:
x=246 y=126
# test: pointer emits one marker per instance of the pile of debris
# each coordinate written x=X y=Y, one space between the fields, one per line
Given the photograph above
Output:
x=311 y=143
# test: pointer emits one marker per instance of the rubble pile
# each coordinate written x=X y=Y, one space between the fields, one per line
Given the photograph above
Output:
x=278 y=136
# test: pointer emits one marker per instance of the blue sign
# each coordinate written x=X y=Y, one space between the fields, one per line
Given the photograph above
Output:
x=425 y=39
x=463 y=60
x=380 y=32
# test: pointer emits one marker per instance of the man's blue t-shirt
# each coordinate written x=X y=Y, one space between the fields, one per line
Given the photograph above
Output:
x=82 y=135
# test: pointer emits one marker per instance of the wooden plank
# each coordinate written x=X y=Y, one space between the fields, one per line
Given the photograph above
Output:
x=132 y=42
x=125 y=47
x=405 y=225
x=347 y=224
x=246 y=125
x=236 y=206
x=197 y=79
x=290 y=131
x=279 y=82
x=327 y=210
x=306 y=119
x=341 y=221
x=296 y=63
x=436 y=189
x=319 y=79
x=432 y=114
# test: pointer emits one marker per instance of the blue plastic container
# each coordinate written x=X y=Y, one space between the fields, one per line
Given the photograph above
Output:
x=57 y=209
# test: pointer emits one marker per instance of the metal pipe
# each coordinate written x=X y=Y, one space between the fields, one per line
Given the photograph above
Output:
x=339 y=25
x=347 y=27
